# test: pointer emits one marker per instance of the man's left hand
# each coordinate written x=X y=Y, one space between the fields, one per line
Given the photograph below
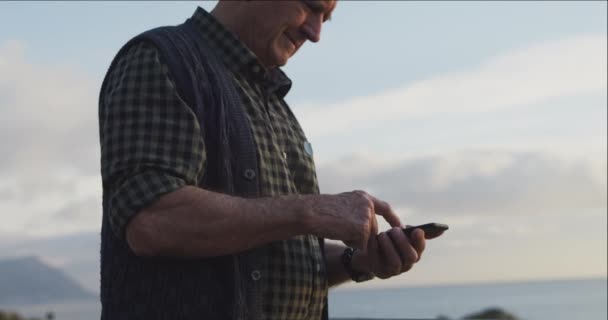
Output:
x=391 y=253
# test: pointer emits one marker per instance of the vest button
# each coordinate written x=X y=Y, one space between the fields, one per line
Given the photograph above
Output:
x=256 y=275
x=249 y=174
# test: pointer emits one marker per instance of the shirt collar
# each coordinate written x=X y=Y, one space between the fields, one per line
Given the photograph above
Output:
x=237 y=56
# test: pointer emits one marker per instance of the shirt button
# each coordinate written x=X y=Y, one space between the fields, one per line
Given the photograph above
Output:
x=249 y=174
x=256 y=275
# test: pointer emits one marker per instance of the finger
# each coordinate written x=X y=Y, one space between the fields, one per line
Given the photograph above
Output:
x=392 y=260
x=418 y=242
x=384 y=209
x=372 y=245
x=374 y=224
x=407 y=252
x=372 y=252
x=433 y=234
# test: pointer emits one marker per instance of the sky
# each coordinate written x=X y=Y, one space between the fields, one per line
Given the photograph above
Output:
x=487 y=116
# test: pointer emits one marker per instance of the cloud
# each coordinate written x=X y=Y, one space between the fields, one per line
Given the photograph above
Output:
x=50 y=146
x=529 y=75
x=475 y=183
x=49 y=114
x=512 y=214
x=48 y=130
x=50 y=184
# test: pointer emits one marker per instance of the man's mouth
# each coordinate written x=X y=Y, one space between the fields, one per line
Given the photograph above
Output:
x=295 y=44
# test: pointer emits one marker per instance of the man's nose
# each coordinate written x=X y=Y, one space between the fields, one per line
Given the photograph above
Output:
x=312 y=27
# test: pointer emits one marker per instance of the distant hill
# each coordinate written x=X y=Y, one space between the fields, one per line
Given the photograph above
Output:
x=79 y=254
x=28 y=280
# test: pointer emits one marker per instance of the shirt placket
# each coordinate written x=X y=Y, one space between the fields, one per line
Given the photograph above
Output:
x=272 y=132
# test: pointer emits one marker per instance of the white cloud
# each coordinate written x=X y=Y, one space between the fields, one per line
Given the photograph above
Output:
x=495 y=201
x=49 y=171
x=49 y=139
x=477 y=183
x=573 y=66
x=48 y=128
x=49 y=114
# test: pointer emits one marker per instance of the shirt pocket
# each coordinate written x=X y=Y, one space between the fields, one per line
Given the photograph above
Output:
x=302 y=166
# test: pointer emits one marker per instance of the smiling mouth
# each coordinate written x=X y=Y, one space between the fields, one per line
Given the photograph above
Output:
x=291 y=40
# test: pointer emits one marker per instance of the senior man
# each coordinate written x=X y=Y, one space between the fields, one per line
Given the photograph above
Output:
x=211 y=207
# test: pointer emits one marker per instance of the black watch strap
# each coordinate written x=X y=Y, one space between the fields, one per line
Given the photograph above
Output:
x=356 y=276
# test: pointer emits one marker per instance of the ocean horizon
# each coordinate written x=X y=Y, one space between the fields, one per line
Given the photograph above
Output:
x=532 y=300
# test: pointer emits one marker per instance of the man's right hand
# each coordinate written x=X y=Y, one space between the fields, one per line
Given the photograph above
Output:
x=349 y=217
x=193 y=222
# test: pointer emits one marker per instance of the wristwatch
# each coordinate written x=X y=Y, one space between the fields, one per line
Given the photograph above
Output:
x=356 y=276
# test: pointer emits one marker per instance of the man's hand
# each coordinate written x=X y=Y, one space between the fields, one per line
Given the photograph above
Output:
x=391 y=253
x=349 y=217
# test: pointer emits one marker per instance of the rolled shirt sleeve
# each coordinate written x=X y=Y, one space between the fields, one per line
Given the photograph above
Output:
x=151 y=141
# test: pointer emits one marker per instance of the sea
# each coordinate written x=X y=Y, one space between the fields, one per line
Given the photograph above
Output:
x=539 y=300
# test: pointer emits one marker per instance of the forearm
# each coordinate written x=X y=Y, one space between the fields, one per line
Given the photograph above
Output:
x=193 y=222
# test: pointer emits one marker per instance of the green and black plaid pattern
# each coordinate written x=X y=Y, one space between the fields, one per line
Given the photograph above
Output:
x=150 y=140
x=295 y=292
x=151 y=145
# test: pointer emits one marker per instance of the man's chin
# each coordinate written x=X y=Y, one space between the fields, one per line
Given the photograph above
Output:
x=281 y=59
x=279 y=56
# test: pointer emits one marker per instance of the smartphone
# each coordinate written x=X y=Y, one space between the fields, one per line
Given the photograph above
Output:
x=430 y=229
